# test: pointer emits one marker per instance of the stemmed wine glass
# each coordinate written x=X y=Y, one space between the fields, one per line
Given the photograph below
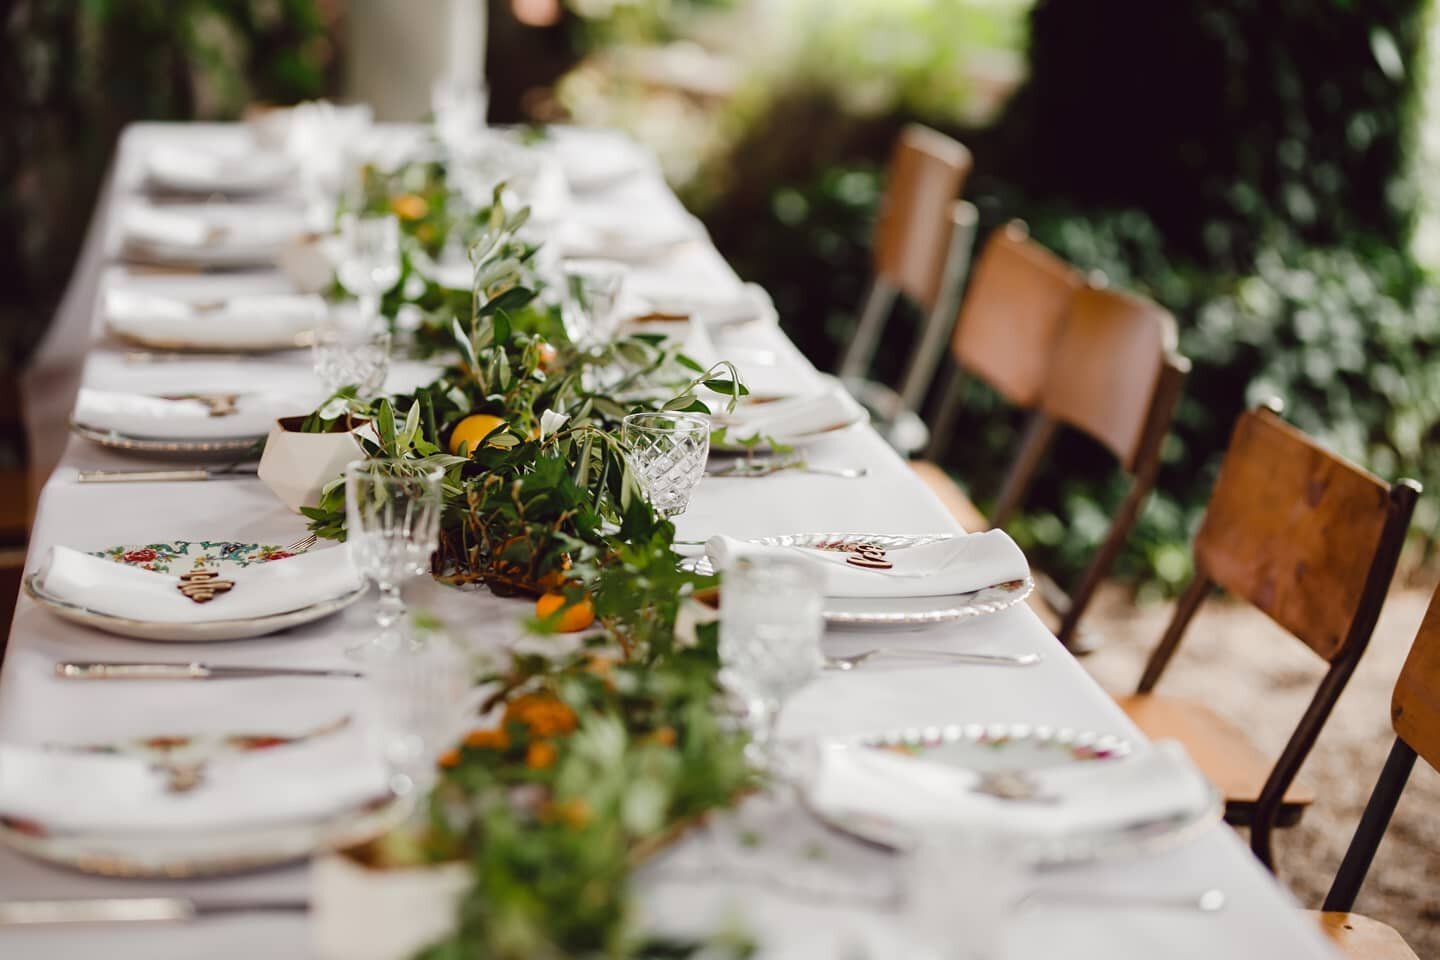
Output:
x=416 y=698
x=346 y=350
x=392 y=511
x=369 y=260
x=592 y=293
x=667 y=452
x=771 y=622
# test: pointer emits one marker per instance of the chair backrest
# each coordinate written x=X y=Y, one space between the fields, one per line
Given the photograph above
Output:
x=927 y=170
x=1293 y=529
x=1415 y=705
x=1106 y=366
x=1012 y=313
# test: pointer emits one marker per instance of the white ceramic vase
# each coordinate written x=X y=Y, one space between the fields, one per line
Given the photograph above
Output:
x=296 y=466
x=361 y=913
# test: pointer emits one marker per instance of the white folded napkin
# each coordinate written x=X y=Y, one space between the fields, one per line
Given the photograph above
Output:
x=594 y=160
x=65 y=791
x=959 y=564
x=196 y=228
x=156 y=418
x=792 y=418
x=1101 y=795
x=195 y=168
x=239 y=323
x=261 y=589
x=626 y=235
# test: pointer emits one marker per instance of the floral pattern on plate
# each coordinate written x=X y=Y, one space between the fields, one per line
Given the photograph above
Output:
x=190 y=748
x=181 y=555
x=1001 y=746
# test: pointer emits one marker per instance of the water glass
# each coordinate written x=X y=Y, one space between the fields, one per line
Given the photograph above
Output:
x=349 y=350
x=592 y=294
x=667 y=453
x=961 y=886
x=415 y=705
x=369 y=260
x=392 y=514
x=460 y=109
x=771 y=622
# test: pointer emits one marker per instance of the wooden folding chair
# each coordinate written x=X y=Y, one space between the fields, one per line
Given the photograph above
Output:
x=919 y=250
x=1112 y=374
x=1311 y=540
x=1415 y=715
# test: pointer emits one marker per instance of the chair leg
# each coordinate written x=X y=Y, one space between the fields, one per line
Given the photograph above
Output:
x=878 y=303
x=1104 y=558
x=1185 y=609
x=1017 y=481
x=951 y=394
x=1371 y=829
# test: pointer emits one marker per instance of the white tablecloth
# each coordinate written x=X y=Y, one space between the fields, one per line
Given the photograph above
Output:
x=1261 y=920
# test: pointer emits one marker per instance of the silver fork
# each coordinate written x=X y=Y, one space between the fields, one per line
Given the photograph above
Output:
x=854 y=660
x=764 y=468
x=303 y=544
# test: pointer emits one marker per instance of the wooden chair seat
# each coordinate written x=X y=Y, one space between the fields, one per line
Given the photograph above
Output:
x=1222 y=751
x=1359 y=938
x=973 y=521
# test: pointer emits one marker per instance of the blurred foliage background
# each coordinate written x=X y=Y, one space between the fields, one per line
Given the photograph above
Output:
x=1254 y=165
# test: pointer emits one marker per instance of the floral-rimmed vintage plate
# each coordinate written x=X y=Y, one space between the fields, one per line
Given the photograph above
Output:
x=179 y=748
x=207 y=853
x=895 y=611
x=1016 y=749
x=179 y=556
x=194 y=449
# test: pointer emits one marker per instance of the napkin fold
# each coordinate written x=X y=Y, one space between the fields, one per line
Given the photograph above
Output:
x=1095 y=796
x=89 y=792
x=193 y=168
x=157 y=418
x=261 y=589
x=946 y=567
x=240 y=323
x=793 y=418
x=200 y=229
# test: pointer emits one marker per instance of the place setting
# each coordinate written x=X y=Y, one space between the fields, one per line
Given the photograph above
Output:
x=189 y=425
x=233 y=170
x=207 y=236
x=201 y=323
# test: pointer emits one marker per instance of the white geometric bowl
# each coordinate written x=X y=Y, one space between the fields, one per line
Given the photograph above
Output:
x=297 y=466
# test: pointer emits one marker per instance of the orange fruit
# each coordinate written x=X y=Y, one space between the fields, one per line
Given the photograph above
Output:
x=571 y=619
x=409 y=206
x=470 y=431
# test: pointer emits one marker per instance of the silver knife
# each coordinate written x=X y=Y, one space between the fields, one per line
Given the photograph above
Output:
x=133 y=910
x=160 y=476
x=100 y=670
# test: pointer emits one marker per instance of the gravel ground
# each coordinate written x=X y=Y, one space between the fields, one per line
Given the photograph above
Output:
x=1260 y=677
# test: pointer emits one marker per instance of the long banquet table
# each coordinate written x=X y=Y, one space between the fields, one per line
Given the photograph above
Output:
x=1261 y=920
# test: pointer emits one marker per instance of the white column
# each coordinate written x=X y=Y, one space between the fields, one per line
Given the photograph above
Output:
x=395 y=51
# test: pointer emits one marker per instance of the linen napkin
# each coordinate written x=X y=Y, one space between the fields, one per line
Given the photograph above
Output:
x=1095 y=796
x=792 y=418
x=261 y=589
x=240 y=323
x=624 y=235
x=157 y=418
x=193 y=168
x=66 y=791
x=196 y=229
x=953 y=565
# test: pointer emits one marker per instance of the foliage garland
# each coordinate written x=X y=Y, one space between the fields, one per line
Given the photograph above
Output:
x=603 y=753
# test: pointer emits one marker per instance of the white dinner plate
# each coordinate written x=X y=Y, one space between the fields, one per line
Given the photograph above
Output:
x=897 y=611
x=1017 y=748
x=220 y=448
x=178 y=556
x=207 y=853
x=202 y=172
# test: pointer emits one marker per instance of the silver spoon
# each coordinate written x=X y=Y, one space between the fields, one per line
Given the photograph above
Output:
x=998 y=659
x=1208 y=901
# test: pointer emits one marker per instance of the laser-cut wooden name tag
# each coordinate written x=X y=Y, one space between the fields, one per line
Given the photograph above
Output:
x=867 y=556
x=202 y=585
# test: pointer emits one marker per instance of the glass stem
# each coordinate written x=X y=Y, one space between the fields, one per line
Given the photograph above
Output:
x=392 y=606
x=370 y=310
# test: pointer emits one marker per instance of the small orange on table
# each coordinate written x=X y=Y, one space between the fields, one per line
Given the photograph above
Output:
x=567 y=617
x=472 y=430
